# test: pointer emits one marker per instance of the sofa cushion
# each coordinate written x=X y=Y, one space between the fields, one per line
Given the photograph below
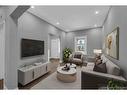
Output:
x=77 y=60
x=105 y=75
x=104 y=59
x=100 y=68
x=90 y=66
x=112 y=68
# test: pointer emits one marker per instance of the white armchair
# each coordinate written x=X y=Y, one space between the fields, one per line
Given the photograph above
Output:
x=76 y=58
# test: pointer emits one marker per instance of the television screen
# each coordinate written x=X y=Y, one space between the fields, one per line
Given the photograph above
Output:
x=31 y=47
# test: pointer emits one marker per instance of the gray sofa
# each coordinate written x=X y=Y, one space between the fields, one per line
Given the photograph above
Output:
x=93 y=80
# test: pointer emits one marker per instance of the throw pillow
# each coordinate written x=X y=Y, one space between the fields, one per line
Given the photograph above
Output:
x=99 y=61
x=97 y=58
x=77 y=56
x=100 y=68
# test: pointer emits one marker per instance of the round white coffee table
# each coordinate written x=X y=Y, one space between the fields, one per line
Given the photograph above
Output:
x=73 y=66
x=66 y=76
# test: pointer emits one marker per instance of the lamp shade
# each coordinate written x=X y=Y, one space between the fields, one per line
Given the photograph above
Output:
x=97 y=51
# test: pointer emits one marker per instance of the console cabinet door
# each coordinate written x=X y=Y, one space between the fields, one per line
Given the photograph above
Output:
x=29 y=76
x=32 y=74
x=48 y=67
x=43 y=69
x=37 y=72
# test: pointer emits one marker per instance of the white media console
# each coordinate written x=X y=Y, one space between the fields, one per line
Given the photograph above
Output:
x=28 y=73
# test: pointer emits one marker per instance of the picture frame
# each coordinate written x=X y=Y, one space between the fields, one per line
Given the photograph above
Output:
x=112 y=44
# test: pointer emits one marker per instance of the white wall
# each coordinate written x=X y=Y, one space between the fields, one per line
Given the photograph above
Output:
x=8 y=66
x=11 y=53
x=117 y=17
x=2 y=49
x=2 y=42
x=11 y=46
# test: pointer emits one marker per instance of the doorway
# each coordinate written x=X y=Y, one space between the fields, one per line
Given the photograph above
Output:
x=54 y=51
x=55 y=48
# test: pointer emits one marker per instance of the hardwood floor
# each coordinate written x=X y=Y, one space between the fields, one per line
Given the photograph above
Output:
x=53 y=67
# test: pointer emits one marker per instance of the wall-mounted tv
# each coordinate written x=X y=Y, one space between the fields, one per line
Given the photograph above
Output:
x=30 y=47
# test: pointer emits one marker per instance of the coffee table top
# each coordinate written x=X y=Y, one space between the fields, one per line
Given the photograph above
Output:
x=73 y=66
x=69 y=72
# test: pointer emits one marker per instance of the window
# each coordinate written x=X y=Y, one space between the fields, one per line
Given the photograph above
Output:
x=81 y=44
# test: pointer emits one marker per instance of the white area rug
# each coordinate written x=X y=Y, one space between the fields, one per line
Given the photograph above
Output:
x=51 y=82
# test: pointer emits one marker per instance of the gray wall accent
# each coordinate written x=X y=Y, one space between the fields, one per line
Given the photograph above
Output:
x=117 y=17
x=2 y=49
x=32 y=27
x=11 y=50
x=2 y=43
x=11 y=53
x=94 y=39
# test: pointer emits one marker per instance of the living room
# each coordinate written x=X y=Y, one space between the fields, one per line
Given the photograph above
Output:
x=40 y=24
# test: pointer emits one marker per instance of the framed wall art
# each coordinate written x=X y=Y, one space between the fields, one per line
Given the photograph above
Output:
x=112 y=44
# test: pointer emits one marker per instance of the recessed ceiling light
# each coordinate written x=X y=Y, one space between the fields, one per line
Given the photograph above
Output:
x=57 y=23
x=96 y=12
x=95 y=25
x=32 y=7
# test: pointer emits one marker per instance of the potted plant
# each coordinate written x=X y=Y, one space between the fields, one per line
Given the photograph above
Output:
x=114 y=85
x=66 y=53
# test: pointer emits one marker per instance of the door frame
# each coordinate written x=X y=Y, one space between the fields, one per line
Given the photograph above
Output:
x=49 y=48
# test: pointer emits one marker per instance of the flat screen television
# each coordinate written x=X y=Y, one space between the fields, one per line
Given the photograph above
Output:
x=30 y=47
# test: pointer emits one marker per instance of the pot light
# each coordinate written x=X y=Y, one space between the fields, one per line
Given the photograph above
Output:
x=57 y=23
x=96 y=12
x=32 y=7
x=95 y=25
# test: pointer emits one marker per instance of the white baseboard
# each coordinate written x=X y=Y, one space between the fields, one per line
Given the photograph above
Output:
x=16 y=88
x=5 y=88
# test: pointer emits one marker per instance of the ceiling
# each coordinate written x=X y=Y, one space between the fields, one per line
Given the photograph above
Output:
x=72 y=18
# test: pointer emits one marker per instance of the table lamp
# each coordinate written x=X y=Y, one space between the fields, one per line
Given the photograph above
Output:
x=97 y=52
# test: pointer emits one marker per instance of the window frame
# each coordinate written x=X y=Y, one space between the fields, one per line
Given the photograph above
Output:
x=81 y=37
